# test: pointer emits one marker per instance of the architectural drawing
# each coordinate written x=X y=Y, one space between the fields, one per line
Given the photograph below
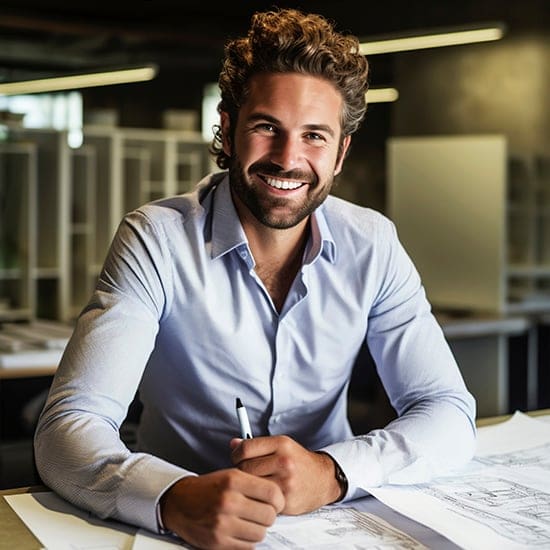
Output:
x=517 y=512
x=342 y=528
x=500 y=500
x=537 y=457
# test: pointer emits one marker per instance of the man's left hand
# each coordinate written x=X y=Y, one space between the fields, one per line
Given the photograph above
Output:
x=306 y=478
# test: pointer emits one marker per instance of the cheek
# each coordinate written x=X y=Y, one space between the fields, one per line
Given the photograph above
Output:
x=251 y=149
x=325 y=165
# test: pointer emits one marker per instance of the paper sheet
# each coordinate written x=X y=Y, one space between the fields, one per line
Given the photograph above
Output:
x=501 y=500
x=330 y=528
x=60 y=526
x=145 y=540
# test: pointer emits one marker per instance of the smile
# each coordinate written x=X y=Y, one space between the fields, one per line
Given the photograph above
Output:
x=283 y=184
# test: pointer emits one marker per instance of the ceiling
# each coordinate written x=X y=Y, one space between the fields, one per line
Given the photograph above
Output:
x=40 y=38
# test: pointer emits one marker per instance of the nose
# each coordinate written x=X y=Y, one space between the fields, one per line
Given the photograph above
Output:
x=286 y=151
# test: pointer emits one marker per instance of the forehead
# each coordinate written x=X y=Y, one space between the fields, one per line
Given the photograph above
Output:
x=294 y=97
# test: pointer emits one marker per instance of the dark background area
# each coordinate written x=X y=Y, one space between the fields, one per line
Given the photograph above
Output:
x=494 y=87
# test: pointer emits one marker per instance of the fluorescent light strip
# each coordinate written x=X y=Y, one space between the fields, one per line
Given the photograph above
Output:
x=105 y=78
x=435 y=40
x=381 y=95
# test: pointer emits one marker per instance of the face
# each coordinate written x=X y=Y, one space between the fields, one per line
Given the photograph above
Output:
x=286 y=148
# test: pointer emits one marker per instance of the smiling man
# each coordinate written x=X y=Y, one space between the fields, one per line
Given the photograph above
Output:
x=260 y=285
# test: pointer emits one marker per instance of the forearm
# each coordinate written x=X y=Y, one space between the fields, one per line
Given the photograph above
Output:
x=431 y=438
x=82 y=458
x=78 y=449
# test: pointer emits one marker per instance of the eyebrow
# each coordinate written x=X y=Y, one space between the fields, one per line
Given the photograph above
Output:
x=310 y=127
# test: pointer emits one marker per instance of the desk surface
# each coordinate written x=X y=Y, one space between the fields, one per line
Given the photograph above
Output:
x=490 y=420
x=26 y=372
x=15 y=534
x=469 y=326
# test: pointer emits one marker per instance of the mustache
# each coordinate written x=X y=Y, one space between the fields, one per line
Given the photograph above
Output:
x=270 y=169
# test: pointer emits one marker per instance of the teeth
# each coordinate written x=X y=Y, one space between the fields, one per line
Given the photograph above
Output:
x=283 y=184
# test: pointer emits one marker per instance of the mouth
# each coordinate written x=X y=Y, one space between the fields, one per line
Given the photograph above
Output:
x=282 y=184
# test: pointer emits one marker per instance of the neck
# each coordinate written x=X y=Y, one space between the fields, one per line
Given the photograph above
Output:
x=278 y=256
x=277 y=253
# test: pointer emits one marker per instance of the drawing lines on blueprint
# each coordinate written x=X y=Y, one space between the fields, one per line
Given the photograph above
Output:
x=515 y=511
x=343 y=528
x=536 y=457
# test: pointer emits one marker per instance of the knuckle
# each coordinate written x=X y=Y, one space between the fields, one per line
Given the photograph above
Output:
x=287 y=464
x=275 y=495
x=230 y=479
x=285 y=442
x=224 y=503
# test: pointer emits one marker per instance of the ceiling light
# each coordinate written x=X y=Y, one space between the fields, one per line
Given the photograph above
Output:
x=77 y=81
x=381 y=95
x=432 y=39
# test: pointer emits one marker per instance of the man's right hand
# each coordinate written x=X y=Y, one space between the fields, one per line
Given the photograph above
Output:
x=223 y=509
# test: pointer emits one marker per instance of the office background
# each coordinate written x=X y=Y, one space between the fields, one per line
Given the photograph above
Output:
x=485 y=221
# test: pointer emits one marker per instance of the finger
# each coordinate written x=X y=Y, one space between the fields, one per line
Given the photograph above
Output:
x=263 y=466
x=235 y=442
x=258 y=512
x=252 y=448
x=228 y=532
x=245 y=532
x=264 y=490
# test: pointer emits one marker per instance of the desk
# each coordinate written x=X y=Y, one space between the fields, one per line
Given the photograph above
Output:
x=26 y=372
x=14 y=533
x=489 y=421
x=480 y=346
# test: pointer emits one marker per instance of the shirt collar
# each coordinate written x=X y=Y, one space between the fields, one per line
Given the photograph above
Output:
x=228 y=233
x=321 y=241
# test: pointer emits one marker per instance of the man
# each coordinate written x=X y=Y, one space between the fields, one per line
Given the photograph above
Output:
x=257 y=285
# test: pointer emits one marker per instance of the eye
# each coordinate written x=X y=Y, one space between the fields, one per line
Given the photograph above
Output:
x=265 y=128
x=316 y=138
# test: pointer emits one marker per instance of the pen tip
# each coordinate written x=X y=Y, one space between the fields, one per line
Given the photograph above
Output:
x=238 y=403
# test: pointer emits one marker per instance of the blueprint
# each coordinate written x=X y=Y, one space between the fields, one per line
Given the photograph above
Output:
x=60 y=526
x=501 y=500
x=342 y=528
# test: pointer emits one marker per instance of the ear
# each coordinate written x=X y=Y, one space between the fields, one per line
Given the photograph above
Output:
x=342 y=155
x=226 y=133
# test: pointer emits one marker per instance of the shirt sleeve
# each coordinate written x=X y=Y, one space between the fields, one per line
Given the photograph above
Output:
x=78 y=450
x=435 y=429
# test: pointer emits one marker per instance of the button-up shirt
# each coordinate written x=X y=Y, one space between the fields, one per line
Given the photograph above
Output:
x=180 y=313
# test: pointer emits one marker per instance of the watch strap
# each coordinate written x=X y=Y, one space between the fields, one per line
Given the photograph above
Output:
x=340 y=477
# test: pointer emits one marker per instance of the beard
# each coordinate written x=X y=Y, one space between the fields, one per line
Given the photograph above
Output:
x=277 y=212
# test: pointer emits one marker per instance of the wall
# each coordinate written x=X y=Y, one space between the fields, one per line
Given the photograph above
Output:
x=497 y=87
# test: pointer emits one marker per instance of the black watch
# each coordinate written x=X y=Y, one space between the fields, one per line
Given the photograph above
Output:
x=340 y=477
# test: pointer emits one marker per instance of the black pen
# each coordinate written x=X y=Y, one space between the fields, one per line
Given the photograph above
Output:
x=246 y=432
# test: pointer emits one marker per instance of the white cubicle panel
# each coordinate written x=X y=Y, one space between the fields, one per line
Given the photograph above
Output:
x=447 y=196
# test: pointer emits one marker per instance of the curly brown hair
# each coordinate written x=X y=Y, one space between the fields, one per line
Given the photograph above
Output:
x=287 y=40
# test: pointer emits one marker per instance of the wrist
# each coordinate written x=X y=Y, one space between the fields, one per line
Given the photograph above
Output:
x=169 y=505
x=339 y=476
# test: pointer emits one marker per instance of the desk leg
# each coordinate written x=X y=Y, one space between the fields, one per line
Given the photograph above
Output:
x=532 y=369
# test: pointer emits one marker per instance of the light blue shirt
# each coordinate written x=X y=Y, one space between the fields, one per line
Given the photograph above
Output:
x=180 y=312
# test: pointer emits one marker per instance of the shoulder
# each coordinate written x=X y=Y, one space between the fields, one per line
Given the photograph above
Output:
x=179 y=211
x=361 y=222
